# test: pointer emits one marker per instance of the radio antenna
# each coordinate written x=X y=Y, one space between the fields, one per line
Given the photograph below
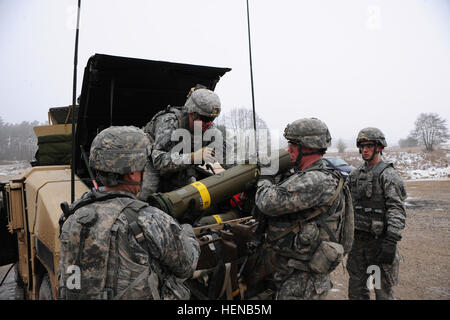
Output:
x=74 y=93
x=251 y=78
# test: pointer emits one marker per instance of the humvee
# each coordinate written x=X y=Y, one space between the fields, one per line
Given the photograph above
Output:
x=124 y=91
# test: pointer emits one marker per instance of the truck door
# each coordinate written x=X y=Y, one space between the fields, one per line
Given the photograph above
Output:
x=8 y=241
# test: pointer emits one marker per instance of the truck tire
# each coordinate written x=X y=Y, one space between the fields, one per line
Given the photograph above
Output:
x=45 y=290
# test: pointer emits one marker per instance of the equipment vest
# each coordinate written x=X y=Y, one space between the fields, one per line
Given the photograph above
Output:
x=368 y=199
x=93 y=243
x=150 y=127
x=341 y=197
x=182 y=177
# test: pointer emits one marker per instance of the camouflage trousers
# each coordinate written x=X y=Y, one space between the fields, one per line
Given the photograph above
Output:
x=302 y=285
x=364 y=253
x=295 y=281
x=292 y=279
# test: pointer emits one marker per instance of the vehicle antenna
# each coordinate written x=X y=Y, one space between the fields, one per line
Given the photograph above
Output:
x=251 y=79
x=86 y=162
x=74 y=93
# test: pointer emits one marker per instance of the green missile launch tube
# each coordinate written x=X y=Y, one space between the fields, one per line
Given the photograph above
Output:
x=214 y=189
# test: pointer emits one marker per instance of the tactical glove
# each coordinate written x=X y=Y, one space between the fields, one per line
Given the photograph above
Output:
x=205 y=154
x=388 y=249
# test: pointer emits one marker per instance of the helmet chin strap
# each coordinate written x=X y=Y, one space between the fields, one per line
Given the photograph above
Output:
x=375 y=151
x=133 y=183
x=130 y=182
x=299 y=157
x=301 y=154
x=373 y=154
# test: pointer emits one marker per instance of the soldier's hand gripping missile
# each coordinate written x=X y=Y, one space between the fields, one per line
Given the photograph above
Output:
x=199 y=195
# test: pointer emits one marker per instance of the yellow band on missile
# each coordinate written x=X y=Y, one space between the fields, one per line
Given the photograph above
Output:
x=204 y=194
x=217 y=217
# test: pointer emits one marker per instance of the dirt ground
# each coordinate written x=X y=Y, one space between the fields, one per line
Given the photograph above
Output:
x=425 y=247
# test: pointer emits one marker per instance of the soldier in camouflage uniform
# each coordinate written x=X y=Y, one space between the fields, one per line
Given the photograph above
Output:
x=122 y=247
x=150 y=180
x=306 y=233
x=378 y=194
x=177 y=169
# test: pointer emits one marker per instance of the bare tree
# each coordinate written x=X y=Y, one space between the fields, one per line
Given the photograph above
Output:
x=239 y=125
x=408 y=142
x=17 y=141
x=430 y=129
x=341 y=146
x=241 y=119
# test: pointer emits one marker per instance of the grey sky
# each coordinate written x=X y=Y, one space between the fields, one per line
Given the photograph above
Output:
x=351 y=64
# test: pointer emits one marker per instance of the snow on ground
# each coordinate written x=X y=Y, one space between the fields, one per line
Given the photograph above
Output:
x=412 y=165
x=431 y=173
x=420 y=165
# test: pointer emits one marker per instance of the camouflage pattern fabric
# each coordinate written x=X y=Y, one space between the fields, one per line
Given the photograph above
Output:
x=390 y=187
x=371 y=134
x=163 y=160
x=97 y=239
x=308 y=286
x=364 y=253
x=367 y=193
x=175 y=169
x=309 y=132
x=284 y=204
x=150 y=181
x=119 y=150
x=204 y=102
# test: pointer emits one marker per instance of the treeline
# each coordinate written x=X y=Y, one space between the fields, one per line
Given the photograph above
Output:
x=18 y=141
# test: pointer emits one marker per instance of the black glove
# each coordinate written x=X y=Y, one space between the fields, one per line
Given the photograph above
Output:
x=388 y=248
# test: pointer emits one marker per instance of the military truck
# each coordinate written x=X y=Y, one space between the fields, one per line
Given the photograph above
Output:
x=123 y=91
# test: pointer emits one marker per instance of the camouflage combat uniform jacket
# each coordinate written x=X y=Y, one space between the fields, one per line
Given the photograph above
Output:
x=98 y=239
x=378 y=193
x=284 y=204
x=175 y=169
x=378 y=199
x=150 y=181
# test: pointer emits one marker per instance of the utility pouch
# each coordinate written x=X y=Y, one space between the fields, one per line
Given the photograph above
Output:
x=377 y=227
x=327 y=257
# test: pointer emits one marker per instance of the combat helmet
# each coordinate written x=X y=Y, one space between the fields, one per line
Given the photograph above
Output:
x=204 y=102
x=309 y=132
x=119 y=150
x=371 y=134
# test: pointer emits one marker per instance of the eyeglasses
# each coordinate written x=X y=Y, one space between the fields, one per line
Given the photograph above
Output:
x=204 y=118
x=367 y=145
x=292 y=142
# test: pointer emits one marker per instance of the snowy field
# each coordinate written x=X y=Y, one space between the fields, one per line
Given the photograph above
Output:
x=413 y=163
x=414 y=166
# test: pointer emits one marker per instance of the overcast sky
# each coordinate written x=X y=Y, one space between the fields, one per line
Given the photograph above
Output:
x=351 y=64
